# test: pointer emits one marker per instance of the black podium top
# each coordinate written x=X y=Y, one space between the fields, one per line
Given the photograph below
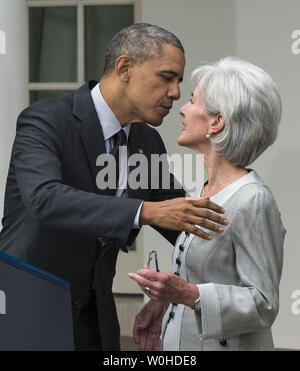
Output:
x=35 y=308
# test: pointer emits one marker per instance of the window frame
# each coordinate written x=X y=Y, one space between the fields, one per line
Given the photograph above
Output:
x=80 y=4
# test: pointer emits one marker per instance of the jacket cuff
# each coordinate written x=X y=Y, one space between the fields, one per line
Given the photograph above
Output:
x=210 y=311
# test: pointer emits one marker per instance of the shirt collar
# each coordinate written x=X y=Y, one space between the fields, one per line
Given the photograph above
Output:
x=221 y=197
x=108 y=120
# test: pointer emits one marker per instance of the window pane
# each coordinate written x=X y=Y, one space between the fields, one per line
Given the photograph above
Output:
x=53 y=44
x=36 y=95
x=101 y=23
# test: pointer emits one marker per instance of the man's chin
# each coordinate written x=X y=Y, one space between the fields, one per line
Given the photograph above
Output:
x=155 y=122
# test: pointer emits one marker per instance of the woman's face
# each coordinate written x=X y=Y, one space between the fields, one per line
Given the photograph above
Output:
x=196 y=121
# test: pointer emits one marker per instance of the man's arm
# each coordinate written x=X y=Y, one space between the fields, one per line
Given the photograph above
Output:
x=37 y=154
x=171 y=210
x=37 y=160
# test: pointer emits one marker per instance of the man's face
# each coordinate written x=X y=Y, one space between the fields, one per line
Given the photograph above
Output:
x=154 y=85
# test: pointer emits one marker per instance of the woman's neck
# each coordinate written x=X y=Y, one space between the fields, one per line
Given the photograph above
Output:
x=221 y=173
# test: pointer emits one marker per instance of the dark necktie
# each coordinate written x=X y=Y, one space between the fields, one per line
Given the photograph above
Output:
x=120 y=139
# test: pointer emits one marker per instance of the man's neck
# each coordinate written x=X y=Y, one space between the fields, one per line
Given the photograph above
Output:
x=116 y=99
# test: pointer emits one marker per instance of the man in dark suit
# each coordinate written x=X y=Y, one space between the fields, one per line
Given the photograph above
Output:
x=56 y=216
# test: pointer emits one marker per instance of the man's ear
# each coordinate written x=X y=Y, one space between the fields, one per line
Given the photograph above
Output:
x=122 y=67
x=217 y=124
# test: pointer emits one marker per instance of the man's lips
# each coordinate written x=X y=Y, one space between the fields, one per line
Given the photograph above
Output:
x=166 y=107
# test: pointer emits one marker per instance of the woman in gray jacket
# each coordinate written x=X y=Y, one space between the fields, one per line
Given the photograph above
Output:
x=224 y=294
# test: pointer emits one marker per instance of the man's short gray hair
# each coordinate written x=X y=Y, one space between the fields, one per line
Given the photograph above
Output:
x=249 y=100
x=140 y=42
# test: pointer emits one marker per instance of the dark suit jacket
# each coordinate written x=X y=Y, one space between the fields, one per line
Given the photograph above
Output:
x=54 y=213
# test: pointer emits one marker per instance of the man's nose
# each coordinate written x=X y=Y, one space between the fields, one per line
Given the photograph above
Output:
x=174 y=92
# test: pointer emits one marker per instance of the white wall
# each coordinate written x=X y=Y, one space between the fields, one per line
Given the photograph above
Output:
x=258 y=31
x=13 y=79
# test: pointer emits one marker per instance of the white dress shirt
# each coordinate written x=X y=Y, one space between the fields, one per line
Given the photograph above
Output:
x=110 y=126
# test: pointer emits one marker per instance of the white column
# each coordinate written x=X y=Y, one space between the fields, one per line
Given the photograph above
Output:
x=13 y=78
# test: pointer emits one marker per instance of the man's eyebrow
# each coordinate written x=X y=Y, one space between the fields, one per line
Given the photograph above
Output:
x=174 y=73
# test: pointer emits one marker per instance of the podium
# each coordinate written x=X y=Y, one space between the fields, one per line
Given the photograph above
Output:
x=35 y=308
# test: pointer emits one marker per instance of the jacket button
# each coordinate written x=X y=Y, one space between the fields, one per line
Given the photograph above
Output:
x=178 y=261
x=223 y=342
x=172 y=314
x=177 y=273
x=181 y=247
x=76 y=304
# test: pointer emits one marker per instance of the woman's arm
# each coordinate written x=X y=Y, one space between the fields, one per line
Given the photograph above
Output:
x=257 y=235
x=227 y=310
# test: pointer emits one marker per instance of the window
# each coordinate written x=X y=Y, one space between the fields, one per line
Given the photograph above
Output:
x=68 y=39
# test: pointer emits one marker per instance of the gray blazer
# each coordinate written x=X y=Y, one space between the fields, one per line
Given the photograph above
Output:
x=237 y=274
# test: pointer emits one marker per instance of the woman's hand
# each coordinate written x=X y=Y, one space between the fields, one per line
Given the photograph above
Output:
x=147 y=326
x=166 y=287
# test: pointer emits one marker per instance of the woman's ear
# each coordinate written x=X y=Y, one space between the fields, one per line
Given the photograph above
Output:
x=122 y=67
x=217 y=124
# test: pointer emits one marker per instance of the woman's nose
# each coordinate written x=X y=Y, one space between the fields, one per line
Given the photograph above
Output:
x=182 y=110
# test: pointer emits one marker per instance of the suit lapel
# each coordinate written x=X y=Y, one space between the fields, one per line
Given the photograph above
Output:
x=89 y=128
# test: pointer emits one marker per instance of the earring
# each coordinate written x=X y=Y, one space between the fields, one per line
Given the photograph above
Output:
x=208 y=136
